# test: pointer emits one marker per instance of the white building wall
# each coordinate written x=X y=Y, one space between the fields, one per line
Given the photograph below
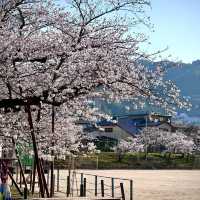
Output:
x=117 y=133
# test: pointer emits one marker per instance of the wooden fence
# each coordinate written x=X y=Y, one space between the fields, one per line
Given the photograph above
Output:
x=77 y=184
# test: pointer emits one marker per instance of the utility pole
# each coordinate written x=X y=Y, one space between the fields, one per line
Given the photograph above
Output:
x=146 y=138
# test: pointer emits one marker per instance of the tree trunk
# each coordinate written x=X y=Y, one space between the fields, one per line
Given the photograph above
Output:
x=30 y=121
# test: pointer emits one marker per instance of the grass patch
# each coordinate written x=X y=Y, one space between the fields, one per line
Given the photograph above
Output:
x=109 y=160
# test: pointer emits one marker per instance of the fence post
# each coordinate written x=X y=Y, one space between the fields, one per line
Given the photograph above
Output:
x=25 y=193
x=54 y=182
x=48 y=178
x=58 y=174
x=95 y=185
x=102 y=188
x=31 y=178
x=113 y=187
x=81 y=186
x=131 y=189
x=68 y=186
x=122 y=191
x=84 y=187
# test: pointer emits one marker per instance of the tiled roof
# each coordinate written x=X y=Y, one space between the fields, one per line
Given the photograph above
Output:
x=105 y=123
x=132 y=124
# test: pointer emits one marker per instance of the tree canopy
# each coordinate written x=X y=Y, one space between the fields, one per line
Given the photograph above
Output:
x=65 y=56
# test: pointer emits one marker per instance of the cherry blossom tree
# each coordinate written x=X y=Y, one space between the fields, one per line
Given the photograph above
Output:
x=58 y=56
x=67 y=138
x=128 y=145
x=194 y=132
x=174 y=142
x=56 y=59
x=179 y=143
x=153 y=138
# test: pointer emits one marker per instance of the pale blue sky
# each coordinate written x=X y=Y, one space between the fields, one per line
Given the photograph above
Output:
x=176 y=25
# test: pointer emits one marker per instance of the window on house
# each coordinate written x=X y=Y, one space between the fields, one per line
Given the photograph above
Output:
x=109 y=129
x=164 y=129
x=198 y=141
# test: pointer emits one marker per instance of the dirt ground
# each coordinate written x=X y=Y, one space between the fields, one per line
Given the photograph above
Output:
x=158 y=184
x=147 y=184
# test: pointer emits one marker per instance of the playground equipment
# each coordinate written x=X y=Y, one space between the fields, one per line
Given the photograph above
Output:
x=9 y=158
x=6 y=170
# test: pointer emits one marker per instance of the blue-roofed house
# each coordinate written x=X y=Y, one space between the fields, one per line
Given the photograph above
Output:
x=125 y=126
x=133 y=124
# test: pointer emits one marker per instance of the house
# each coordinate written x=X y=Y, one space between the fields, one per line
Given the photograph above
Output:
x=125 y=126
